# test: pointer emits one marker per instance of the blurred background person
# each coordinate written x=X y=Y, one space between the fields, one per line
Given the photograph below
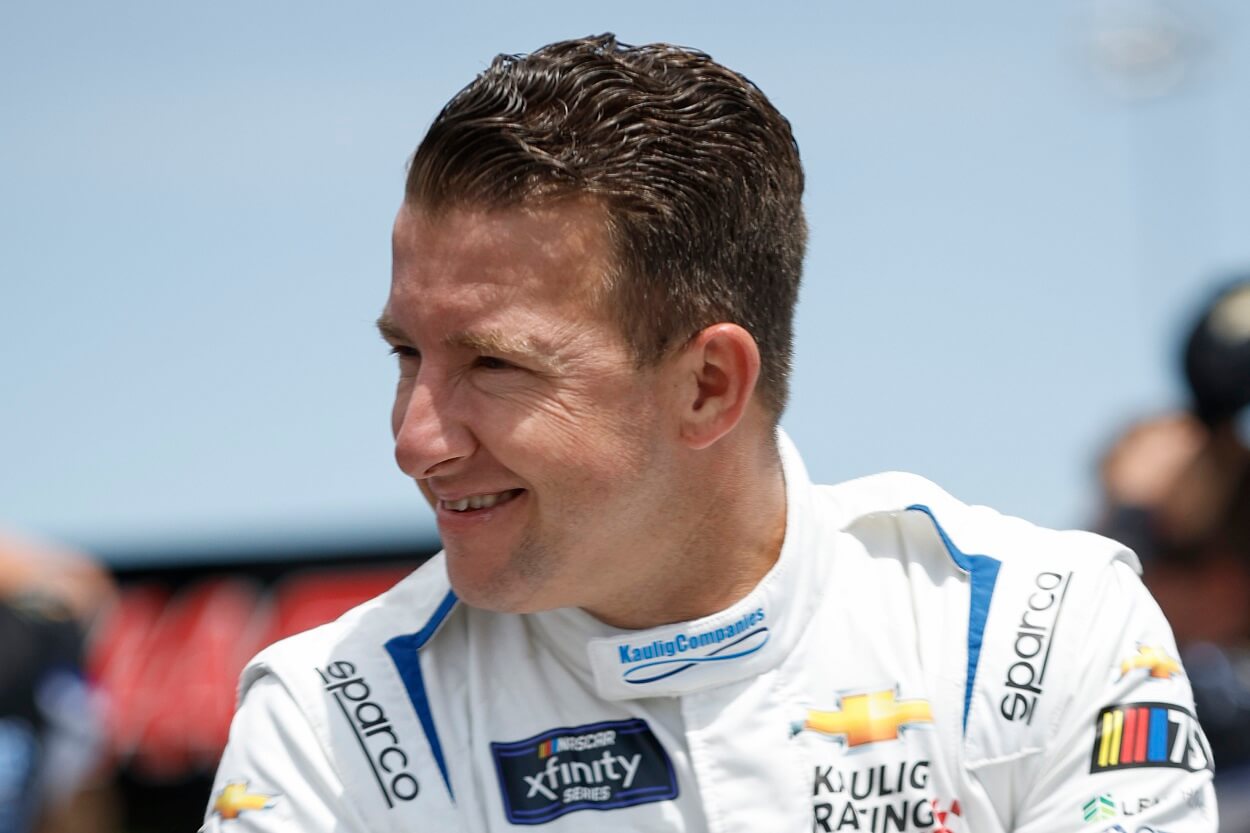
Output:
x=1176 y=488
x=54 y=775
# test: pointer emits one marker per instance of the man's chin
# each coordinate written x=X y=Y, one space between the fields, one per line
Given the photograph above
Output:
x=500 y=591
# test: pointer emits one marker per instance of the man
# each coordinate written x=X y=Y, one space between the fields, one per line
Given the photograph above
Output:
x=1177 y=485
x=645 y=617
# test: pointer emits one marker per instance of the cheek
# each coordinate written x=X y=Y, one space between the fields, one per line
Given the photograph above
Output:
x=543 y=424
x=429 y=495
x=610 y=447
x=583 y=434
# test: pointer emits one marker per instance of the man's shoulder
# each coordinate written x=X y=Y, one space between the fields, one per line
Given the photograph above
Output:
x=1052 y=614
x=358 y=684
x=421 y=598
x=966 y=531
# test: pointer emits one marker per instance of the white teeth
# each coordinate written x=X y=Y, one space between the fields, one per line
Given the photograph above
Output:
x=477 y=501
x=484 y=501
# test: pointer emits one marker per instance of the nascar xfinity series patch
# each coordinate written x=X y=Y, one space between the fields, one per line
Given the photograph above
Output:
x=599 y=766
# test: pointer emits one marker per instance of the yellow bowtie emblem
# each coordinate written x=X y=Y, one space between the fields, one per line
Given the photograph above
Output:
x=234 y=799
x=867 y=718
x=1155 y=659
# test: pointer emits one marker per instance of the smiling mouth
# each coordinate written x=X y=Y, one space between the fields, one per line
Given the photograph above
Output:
x=473 y=502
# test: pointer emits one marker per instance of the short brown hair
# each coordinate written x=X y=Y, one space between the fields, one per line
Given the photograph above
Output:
x=699 y=174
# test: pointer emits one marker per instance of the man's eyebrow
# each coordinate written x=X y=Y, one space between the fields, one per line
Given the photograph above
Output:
x=488 y=342
x=496 y=343
x=491 y=341
x=390 y=330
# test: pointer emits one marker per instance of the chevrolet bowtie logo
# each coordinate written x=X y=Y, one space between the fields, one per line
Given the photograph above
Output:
x=1155 y=659
x=866 y=718
x=234 y=799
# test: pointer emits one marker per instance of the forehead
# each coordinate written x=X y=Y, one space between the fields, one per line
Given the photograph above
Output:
x=556 y=251
x=531 y=282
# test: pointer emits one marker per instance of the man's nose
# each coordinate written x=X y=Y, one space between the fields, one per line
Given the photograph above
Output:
x=429 y=439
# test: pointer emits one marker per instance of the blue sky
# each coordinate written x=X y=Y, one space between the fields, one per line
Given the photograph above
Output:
x=1013 y=209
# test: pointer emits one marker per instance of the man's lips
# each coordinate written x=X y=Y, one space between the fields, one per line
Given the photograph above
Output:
x=482 y=500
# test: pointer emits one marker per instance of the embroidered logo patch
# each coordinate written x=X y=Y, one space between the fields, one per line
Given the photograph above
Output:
x=1099 y=807
x=235 y=799
x=599 y=766
x=1153 y=660
x=1131 y=735
x=866 y=718
x=662 y=658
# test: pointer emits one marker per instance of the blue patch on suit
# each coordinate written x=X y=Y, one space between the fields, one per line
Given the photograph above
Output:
x=598 y=766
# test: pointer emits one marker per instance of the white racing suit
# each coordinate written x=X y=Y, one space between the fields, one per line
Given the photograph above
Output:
x=909 y=663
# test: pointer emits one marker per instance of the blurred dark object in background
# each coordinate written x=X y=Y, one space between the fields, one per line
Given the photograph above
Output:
x=116 y=690
x=1217 y=356
x=54 y=771
x=168 y=655
x=1176 y=488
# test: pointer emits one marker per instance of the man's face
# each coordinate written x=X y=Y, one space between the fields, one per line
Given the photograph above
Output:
x=519 y=410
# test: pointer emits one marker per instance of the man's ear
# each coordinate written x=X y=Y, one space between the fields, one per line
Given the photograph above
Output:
x=719 y=368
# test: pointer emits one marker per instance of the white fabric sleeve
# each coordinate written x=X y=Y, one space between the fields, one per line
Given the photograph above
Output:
x=1126 y=753
x=274 y=775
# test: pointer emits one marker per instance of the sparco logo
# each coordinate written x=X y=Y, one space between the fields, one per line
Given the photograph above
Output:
x=1032 y=646
x=665 y=657
x=373 y=729
x=600 y=766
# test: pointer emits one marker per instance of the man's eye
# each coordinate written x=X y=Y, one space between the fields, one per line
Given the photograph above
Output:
x=405 y=352
x=492 y=363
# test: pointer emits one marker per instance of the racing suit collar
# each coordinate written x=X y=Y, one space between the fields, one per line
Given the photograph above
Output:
x=744 y=640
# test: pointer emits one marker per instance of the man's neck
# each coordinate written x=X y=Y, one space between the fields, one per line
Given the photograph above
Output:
x=738 y=525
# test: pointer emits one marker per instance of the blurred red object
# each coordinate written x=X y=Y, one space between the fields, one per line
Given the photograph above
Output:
x=168 y=661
